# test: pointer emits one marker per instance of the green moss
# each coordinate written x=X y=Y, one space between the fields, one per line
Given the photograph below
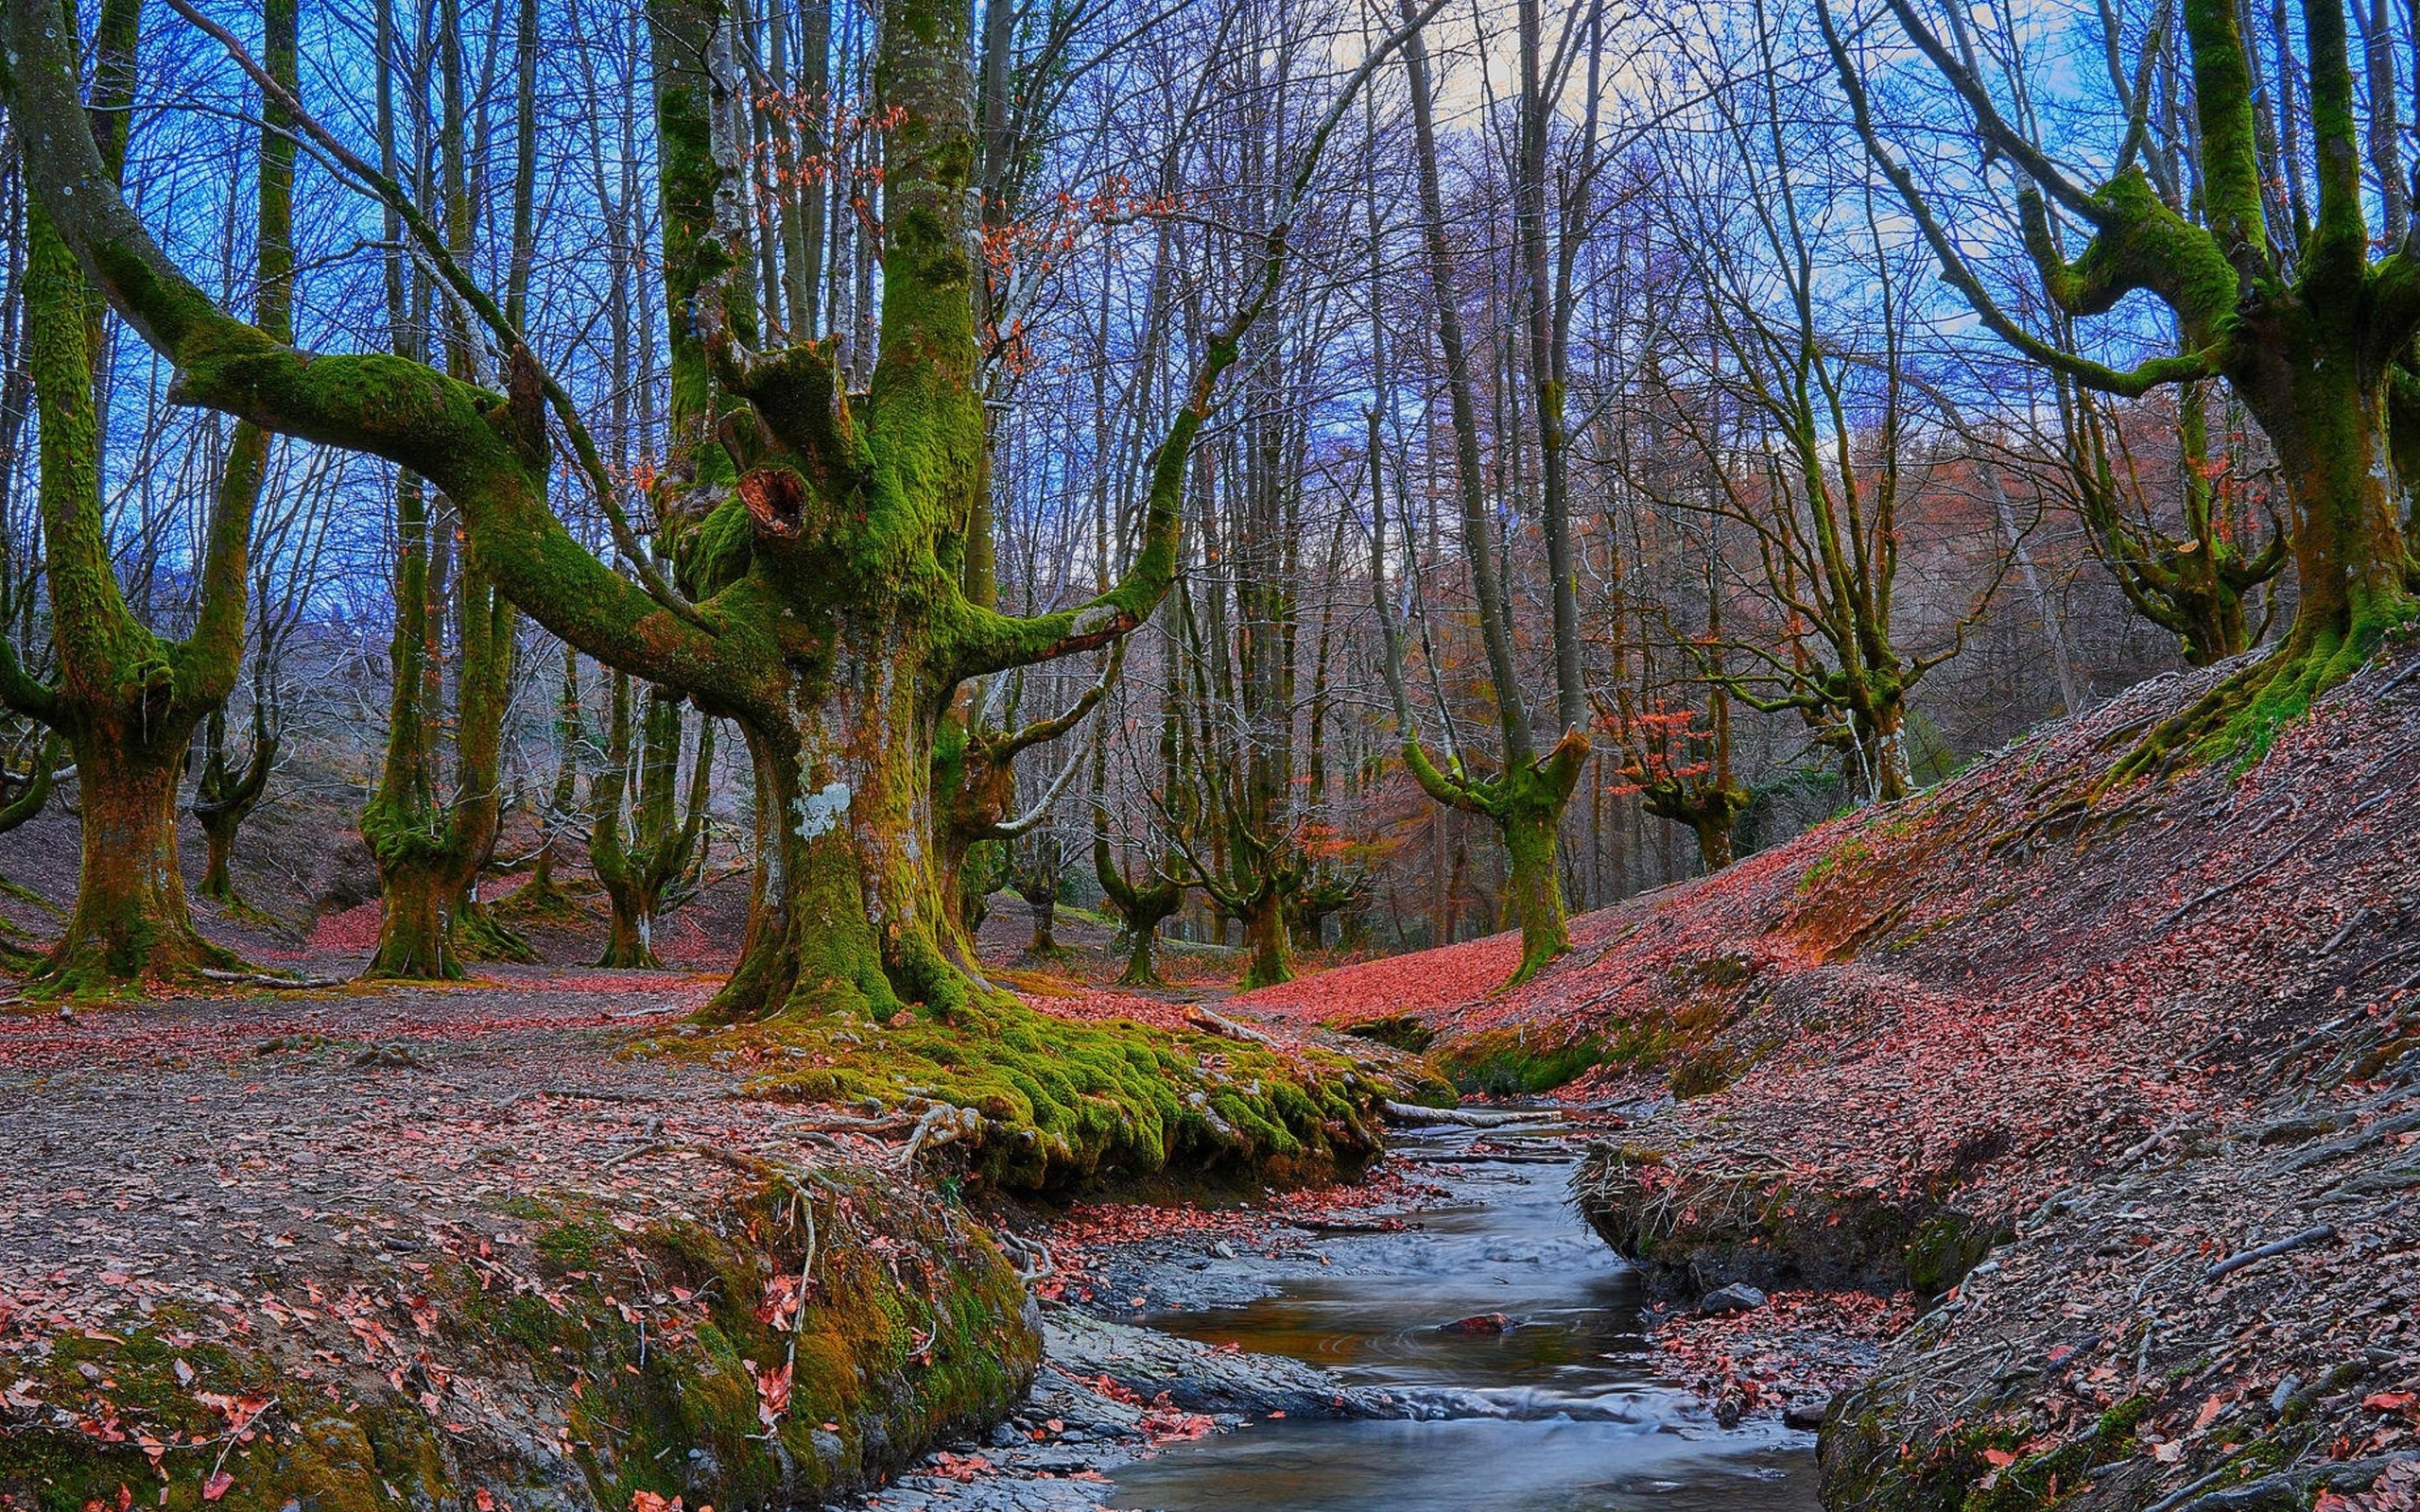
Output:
x=1505 y=1063
x=1403 y=1031
x=645 y=1349
x=1065 y=1101
x=1945 y=1247
x=86 y=1443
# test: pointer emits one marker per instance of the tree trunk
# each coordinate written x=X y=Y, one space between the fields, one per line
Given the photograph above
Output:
x=1533 y=886
x=130 y=920
x=853 y=919
x=1142 y=964
x=1714 y=838
x=415 y=926
x=218 y=842
x=1265 y=936
x=2327 y=417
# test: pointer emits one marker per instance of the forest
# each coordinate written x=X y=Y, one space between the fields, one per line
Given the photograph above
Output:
x=909 y=753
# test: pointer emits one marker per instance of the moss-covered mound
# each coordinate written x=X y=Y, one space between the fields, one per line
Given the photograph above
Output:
x=664 y=1354
x=1065 y=1101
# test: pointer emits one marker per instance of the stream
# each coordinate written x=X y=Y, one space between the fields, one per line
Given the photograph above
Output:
x=1562 y=1413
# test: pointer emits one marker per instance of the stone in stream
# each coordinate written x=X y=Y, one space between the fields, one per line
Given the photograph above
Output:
x=1479 y=1324
x=1806 y=1412
x=1737 y=1297
x=1201 y=1377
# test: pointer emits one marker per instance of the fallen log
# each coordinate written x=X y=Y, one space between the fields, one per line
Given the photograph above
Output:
x=1411 y=1115
x=268 y=979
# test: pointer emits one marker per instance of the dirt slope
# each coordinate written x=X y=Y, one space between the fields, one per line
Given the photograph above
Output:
x=2122 y=1036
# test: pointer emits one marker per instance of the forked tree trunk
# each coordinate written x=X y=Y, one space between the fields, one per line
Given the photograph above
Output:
x=224 y=798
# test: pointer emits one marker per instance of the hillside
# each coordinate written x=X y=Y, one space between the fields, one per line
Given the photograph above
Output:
x=2153 y=1051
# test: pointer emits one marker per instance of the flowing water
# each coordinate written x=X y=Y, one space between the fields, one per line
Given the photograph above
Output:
x=1563 y=1413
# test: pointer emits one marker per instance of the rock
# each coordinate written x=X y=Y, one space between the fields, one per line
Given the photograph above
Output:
x=1737 y=1297
x=1197 y=1377
x=1805 y=1412
x=1729 y=1408
x=1222 y=1249
x=1483 y=1324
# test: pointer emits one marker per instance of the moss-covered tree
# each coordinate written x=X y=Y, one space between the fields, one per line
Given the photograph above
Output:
x=126 y=702
x=833 y=627
x=1525 y=793
x=544 y=897
x=2312 y=333
x=1675 y=746
x=227 y=790
x=431 y=839
x=645 y=839
x=1140 y=908
x=2192 y=579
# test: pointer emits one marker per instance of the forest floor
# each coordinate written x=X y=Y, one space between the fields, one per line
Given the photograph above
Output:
x=2095 y=1112
x=2119 y=1091
x=404 y=1237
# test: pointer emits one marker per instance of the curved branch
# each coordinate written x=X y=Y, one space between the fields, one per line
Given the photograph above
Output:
x=1992 y=127
x=2130 y=383
x=486 y=451
x=433 y=248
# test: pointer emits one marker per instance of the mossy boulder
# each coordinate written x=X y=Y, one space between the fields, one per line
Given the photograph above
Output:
x=673 y=1354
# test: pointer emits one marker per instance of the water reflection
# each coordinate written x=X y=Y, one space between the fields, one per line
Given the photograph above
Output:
x=1559 y=1413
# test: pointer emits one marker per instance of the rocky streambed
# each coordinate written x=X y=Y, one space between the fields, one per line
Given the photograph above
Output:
x=1467 y=1345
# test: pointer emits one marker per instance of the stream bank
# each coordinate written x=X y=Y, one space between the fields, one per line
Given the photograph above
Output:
x=1457 y=1340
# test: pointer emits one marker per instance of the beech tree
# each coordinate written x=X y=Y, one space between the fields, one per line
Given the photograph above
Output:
x=2285 y=303
x=126 y=702
x=650 y=859
x=431 y=842
x=829 y=621
x=1526 y=790
x=2192 y=579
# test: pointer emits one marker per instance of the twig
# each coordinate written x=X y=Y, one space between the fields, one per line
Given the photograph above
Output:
x=2225 y=887
x=2228 y=1267
x=2360 y=917
x=235 y=1432
x=805 y=1274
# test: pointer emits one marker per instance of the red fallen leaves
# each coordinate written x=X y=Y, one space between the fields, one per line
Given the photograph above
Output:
x=773 y=1391
x=963 y=1468
x=352 y=932
x=217 y=1486
x=2396 y=1490
x=1092 y=1227
x=240 y=1412
x=1799 y=1345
